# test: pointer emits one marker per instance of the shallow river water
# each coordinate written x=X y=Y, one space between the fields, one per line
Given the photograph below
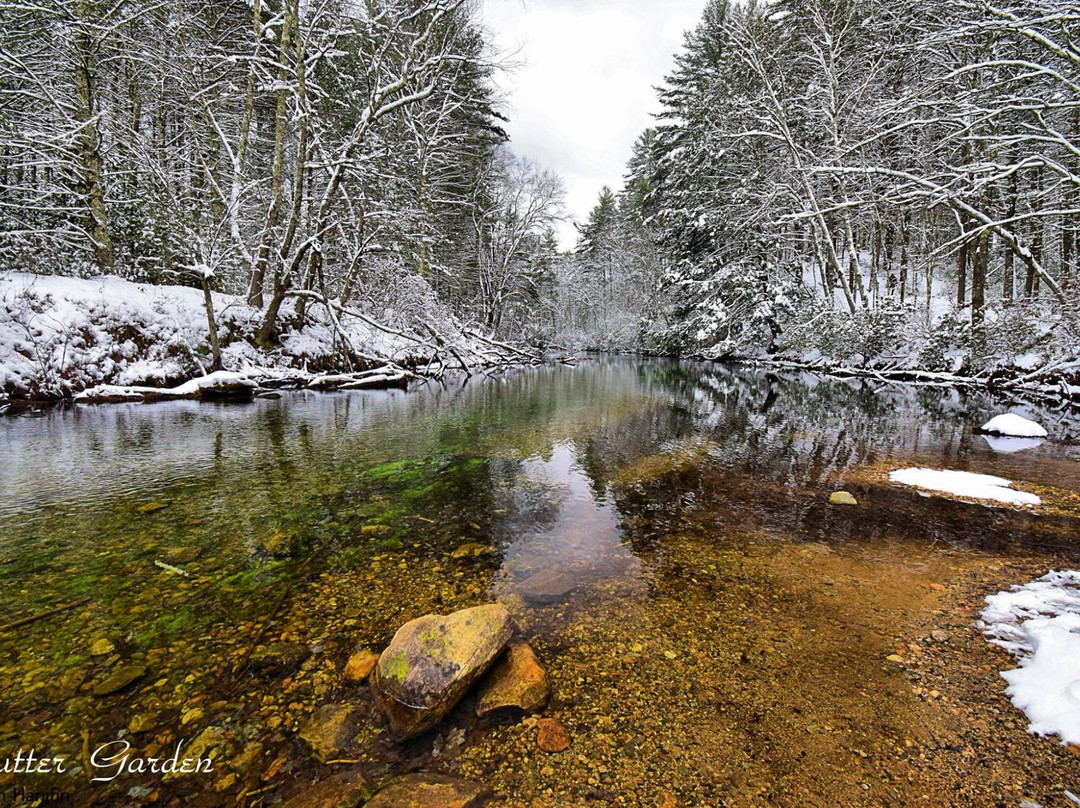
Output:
x=717 y=633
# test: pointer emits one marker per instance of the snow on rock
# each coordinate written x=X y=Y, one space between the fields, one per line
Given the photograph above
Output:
x=1013 y=425
x=964 y=484
x=1040 y=623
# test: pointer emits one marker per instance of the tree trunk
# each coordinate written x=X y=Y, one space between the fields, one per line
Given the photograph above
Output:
x=89 y=151
x=962 y=265
x=215 y=344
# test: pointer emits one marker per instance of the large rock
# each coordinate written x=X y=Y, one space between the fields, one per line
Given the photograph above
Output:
x=431 y=663
x=517 y=682
x=430 y=791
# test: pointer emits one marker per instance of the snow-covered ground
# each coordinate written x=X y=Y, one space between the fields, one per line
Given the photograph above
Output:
x=60 y=335
x=1040 y=624
x=964 y=484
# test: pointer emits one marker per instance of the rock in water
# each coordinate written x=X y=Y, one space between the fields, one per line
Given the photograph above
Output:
x=433 y=660
x=360 y=665
x=547 y=586
x=120 y=679
x=842 y=498
x=330 y=730
x=345 y=790
x=1014 y=426
x=280 y=658
x=551 y=735
x=430 y=791
x=518 y=681
x=472 y=549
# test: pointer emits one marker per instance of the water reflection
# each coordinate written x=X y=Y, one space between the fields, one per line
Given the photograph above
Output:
x=575 y=541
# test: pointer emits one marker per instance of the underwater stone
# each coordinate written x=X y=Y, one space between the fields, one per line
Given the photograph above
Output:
x=360 y=665
x=433 y=661
x=280 y=657
x=121 y=679
x=472 y=549
x=430 y=791
x=547 y=586
x=346 y=790
x=330 y=730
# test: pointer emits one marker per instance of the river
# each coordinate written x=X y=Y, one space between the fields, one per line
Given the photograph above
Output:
x=717 y=632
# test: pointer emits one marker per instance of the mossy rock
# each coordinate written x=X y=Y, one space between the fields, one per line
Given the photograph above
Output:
x=433 y=661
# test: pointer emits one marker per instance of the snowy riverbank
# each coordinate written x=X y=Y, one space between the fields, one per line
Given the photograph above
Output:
x=105 y=337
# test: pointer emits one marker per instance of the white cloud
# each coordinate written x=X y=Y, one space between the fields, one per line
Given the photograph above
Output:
x=583 y=90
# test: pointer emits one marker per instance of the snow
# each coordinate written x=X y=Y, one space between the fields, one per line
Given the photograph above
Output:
x=964 y=484
x=1029 y=361
x=218 y=380
x=62 y=335
x=1040 y=623
x=1013 y=425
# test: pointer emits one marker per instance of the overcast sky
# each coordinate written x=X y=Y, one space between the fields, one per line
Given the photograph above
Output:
x=583 y=88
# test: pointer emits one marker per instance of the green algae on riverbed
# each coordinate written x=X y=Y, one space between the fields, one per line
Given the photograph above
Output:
x=724 y=633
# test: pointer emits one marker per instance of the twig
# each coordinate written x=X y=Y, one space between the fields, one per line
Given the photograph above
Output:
x=171 y=568
x=25 y=621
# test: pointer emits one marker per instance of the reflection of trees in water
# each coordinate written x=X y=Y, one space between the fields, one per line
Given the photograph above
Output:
x=775 y=443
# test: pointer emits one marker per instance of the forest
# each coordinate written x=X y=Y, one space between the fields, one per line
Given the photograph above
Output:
x=835 y=183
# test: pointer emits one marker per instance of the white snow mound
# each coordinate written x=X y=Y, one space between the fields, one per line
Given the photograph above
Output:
x=1013 y=425
x=964 y=484
x=1040 y=623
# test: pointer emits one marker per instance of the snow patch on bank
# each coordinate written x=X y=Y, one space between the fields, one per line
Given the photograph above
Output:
x=1040 y=623
x=964 y=484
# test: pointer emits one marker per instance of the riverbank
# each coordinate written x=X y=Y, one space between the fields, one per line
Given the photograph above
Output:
x=107 y=339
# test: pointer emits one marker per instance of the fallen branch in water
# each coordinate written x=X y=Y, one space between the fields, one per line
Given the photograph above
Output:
x=25 y=621
x=172 y=569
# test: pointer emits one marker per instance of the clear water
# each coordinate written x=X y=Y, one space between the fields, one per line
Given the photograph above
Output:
x=599 y=476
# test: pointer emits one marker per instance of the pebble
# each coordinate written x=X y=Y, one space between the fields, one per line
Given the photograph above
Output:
x=551 y=735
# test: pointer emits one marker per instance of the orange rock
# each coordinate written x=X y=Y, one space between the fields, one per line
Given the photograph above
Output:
x=518 y=681
x=360 y=665
x=551 y=735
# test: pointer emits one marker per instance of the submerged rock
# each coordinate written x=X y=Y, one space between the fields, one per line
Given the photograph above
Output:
x=548 y=586
x=431 y=663
x=518 y=681
x=278 y=545
x=472 y=549
x=280 y=658
x=430 y=791
x=842 y=498
x=360 y=665
x=330 y=730
x=120 y=679
x=101 y=647
x=345 y=790
x=551 y=735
